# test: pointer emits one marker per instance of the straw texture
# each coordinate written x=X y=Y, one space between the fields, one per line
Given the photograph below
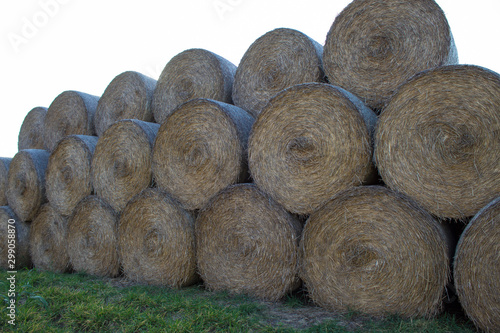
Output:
x=14 y=250
x=4 y=171
x=31 y=134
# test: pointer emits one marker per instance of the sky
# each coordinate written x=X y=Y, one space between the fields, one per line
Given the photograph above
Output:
x=49 y=46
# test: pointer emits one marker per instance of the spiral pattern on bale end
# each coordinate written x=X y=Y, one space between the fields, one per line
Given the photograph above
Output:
x=128 y=96
x=11 y=224
x=48 y=241
x=26 y=182
x=68 y=172
x=194 y=73
x=156 y=241
x=200 y=150
x=121 y=166
x=247 y=243
x=31 y=134
x=72 y=112
x=374 y=46
x=310 y=142
x=438 y=140
x=373 y=250
x=92 y=241
x=4 y=172
x=476 y=268
x=277 y=60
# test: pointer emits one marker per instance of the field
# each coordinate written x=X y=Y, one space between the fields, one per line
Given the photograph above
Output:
x=49 y=302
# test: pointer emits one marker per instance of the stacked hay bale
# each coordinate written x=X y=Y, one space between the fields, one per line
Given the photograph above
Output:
x=14 y=241
x=31 y=134
x=4 y=172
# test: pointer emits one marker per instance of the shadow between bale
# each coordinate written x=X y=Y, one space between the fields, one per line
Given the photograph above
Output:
x=31 y=133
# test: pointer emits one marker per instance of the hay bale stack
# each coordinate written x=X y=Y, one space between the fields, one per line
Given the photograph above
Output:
x=68 y=172
x=374 y=46
x=438 y=140
x=247 y=243
x=373 y=250
x=31 y=134
x=277 y=60
x=26 y=182
x=20 y=247
x=121 y=166
x=156 y=241
x=128 y=96
x=310 y=142
x=4 y=171
x=200 y=150
x=194 y=73
x=72 y=112
x=48 y=241
x=92 y=241
x=476 y=268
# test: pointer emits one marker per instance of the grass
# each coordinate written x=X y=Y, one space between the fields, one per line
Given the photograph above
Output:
x=49 y=302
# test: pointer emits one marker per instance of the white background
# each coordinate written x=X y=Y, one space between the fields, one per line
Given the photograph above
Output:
x=49 y=46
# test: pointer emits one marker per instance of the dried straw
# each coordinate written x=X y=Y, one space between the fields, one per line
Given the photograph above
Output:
x=48 y=241
x=71 y=112
x=373 y=250
x=92 y=238
x=476 y=268
x=156 y=241
x=194 y=73
x=121 y=166
x=200 y=150
x=439 y=137
x=310 y=142
x=26 y=182
x=4 y=171
x=68 y=172
x=277 y=60
x=128 y=96
x=32 y=130
x=374 y=46
x=20 y=257
x=247 y=243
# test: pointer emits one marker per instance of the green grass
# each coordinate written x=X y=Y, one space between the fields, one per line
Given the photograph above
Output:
x=48 y=302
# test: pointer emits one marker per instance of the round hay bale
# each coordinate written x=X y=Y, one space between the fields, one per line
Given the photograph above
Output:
x=375 y=251
x=310 y=142
x=31 y=134
x=26 y=182
x=200 y=150
x=92 y=241
x=121 y=166
x=68 y=172
x=14 y=250
x=72 y=112
x=194 y=73
x=438 y=140
x=156 y=241
x=48 y=241
x=277 y=60
x=374 y=46
x=128 y=96
x=476 y=268
x=247 y=243
x=4 y=171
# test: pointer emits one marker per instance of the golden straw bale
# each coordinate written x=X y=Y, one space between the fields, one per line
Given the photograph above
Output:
x=247 y=243
x=373 y=250
x=310 y=142
x=68 y=172
x=194 y=73
x=14 y=241
x=438 y=140
x=277 y=60
x=200 y=150
x=477 y=268
x=156 y=240
x=128 y=96
x=4 y=172
x=374 y=46
x=92 y=241
x=121 y=166
x=31 y=134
